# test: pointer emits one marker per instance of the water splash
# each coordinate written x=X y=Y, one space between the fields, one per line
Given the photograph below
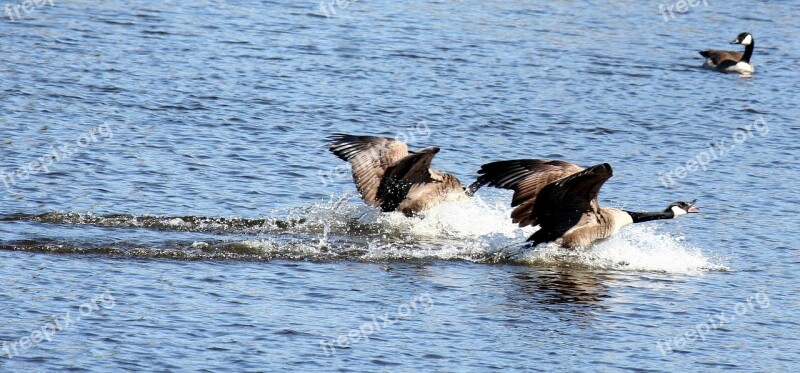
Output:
x=343 y=228
x=470 y=218
x=635 y=248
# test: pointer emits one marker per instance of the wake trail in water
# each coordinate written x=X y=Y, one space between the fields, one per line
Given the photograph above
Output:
x=341 y=228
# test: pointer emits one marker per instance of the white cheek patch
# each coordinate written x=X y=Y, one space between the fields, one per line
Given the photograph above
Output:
x=747 y=40
x=678 y=211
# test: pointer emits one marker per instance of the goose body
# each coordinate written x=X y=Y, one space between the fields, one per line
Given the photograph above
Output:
x=389 y=176
x=732 y=62
x=561 y=198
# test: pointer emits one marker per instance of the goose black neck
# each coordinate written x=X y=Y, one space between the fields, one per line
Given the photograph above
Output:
x=641 y=217
x=748 y=51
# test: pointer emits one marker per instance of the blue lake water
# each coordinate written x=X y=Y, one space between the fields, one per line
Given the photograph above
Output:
x=169 y=203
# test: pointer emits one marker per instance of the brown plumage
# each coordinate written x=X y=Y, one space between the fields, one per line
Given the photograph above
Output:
x=561 y=198
x=717 y=57
x=729 y=61
x=388 y=176
x=526 y=177
x=558 y=196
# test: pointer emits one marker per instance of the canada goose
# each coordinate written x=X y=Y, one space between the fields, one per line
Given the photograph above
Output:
x=732 y=62
x=561 y=198
x=388 y=176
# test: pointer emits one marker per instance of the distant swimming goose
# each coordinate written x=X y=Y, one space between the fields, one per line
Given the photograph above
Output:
x=732 y=62
x=561 y=198
x=388 y=176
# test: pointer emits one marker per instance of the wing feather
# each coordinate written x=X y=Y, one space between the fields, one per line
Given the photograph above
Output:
x=370 y=157
x=527 y=178
x=571 y=201
x=413 y=169
x=717 y=57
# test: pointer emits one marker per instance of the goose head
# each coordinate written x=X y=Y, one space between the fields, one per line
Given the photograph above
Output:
x=682 y=208
x=744 y=39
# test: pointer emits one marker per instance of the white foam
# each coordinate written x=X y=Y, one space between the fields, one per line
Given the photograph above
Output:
x=177 y=223
x=481 y=230
x=470 y=218
x=635 y=248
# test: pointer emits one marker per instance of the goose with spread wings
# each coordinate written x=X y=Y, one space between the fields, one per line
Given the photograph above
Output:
x=561 y=198
x=389 y=176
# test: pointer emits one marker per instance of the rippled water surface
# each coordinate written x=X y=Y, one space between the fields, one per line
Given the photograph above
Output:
x=189 y=216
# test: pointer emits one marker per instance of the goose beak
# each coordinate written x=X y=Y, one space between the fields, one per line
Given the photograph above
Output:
x=430 y=149
x=735 y=42
x=692 y=207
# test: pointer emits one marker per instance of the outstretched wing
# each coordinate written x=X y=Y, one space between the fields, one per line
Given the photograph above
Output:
x=370 y=157
x=718 y=57
x=527 y=178
x=399 y=177
x=571 y=201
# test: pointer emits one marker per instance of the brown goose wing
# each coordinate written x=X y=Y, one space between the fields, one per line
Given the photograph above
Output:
x=369 y=156
x=400 y=176
x=526 y=177
x=718 y=56
x=569 y=202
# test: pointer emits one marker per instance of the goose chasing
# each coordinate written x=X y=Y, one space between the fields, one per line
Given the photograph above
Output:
x=561 y=198
x=389 y=176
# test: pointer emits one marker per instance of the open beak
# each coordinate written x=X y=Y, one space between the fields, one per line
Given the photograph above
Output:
x=735 y=42
x=693 y=208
